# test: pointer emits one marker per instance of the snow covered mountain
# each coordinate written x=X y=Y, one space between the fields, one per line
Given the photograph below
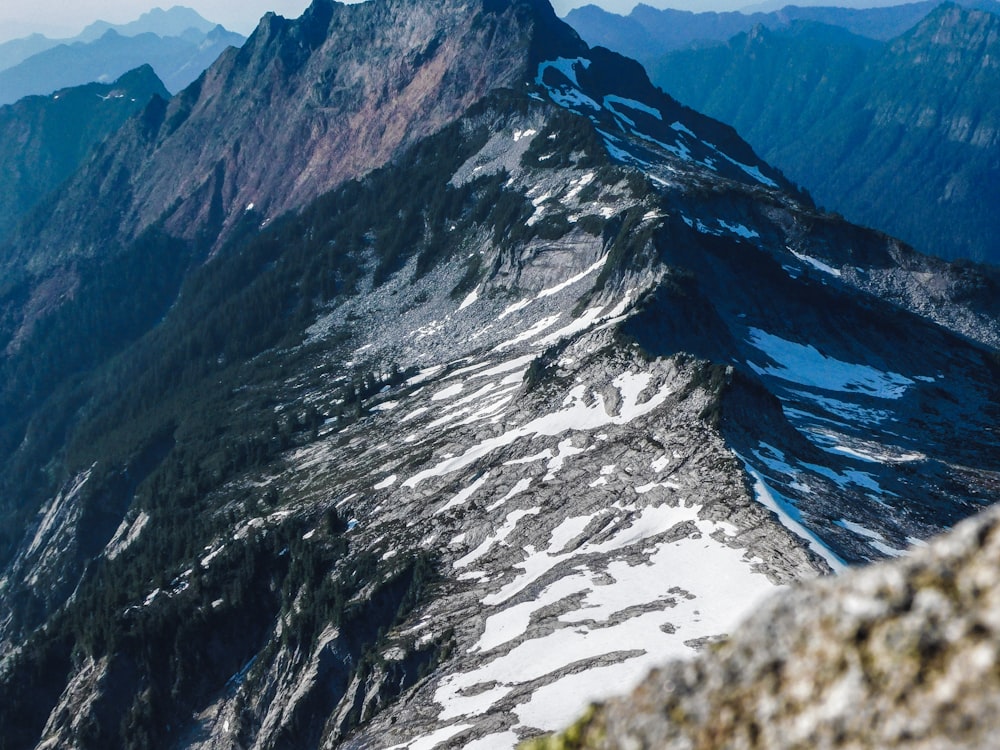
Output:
x=555 y=382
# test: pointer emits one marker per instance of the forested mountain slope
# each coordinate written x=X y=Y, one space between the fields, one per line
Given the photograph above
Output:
x=44 y=140
x=648 y=33
x=903 y=136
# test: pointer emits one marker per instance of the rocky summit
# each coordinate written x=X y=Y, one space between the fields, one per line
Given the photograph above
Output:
x=463 y=377
x=898 y=655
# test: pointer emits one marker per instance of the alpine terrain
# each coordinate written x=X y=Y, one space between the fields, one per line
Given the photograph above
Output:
x=901 y=135
x=649 y=33
x=178 y=44
x=419 y=375
x=47 y=138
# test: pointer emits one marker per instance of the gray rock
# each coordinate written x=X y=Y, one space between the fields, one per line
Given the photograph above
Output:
x=902 y=654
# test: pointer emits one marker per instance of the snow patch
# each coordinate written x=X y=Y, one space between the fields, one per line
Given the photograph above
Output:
x=386 y=483
x=577 y=415
x=817 y=264
x=790 y=518
x=803 y=364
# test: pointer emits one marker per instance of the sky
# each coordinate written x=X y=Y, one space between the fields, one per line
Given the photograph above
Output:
x=60 y=19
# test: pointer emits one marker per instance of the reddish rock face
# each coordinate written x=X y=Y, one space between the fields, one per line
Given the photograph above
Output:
x=302 y=107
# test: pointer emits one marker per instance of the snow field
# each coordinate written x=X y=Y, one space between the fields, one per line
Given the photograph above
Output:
x=636 y=611
x=803 y=364
x=576 y=415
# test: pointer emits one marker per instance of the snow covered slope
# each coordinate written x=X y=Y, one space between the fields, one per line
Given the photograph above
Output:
x=566 y=389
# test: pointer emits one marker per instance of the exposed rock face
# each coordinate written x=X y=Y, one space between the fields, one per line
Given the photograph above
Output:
x=898 y=655
x=44 y=139
x=303 y=106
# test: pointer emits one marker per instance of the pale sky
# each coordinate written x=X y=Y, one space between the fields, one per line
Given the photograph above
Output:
x=59 y=18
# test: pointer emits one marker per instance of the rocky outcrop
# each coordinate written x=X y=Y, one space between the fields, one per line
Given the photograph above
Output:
x=899 y=655
x=303 y=106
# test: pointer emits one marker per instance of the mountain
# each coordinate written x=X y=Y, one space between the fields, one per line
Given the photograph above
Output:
x=321 y=79
x=902 y=135
x=430 y=431
x=648 y=33
x=173 y=22
x=177 y=60
x=899 y=655
x=177 y=21
x=17 y=50
x=45 y=139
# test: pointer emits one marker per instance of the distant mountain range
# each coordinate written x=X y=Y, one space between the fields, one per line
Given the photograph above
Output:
x=44 y=139
x=174 y=22
x=179 y=44
x=902 y=135
x=648 y=32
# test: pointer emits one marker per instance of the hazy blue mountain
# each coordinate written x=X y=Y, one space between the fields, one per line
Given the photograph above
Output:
x=172 y=22
x=900 y=135
x=44 y=139
x=177 y=60
x=648 y=32
x=178 y=21
x=16 y=50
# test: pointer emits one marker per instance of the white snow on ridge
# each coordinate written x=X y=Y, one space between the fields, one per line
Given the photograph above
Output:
x=513 y=518
x=463 y=497
x=816 y=263
x=434 y=739
x=845 y=410
x=739 y=229
x=531 y=333
x=520 y=305
x=450 y=392
x=790 y=518
x=511 y=364
x=752 y=171
x=635 y=613
x=577 y=415
x=805 y=365
x=611 y=100
x=565 y=65
x=386 y=483
x=563 y=96
x=682 y=128
x=572 y=279
x=873 y=538
x=470 y=299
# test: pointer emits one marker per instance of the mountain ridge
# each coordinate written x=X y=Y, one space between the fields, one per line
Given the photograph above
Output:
x=934 y=176
x=53 y=135
x=442 y=453
x=172 y=22
x=647 y=32
x=178 y=60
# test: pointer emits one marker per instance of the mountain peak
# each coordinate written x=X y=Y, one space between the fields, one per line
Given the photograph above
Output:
x=172 y=22
x=311 y=102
